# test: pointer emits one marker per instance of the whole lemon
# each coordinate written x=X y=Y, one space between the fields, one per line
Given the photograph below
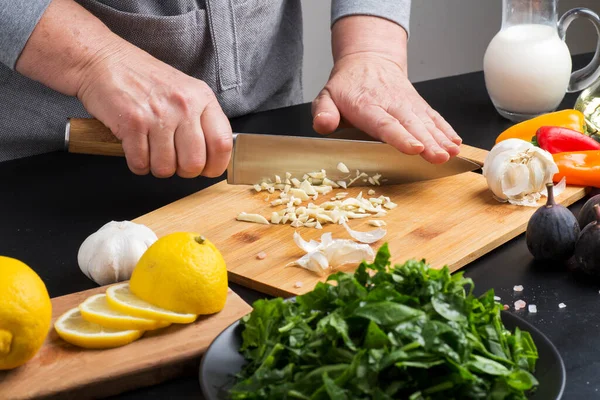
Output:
x=182 y=272
x=25 y=313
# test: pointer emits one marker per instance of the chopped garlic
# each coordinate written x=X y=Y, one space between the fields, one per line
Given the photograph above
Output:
x=329 y=182
x=518 y=288
x=277 y=202
x=342 y=184
x=257 y=218
x=371 y=192
x=298 y=285
x=296 y=224
x=376 y=222
x=295 y=182
x=322 y=189
x=562 y=305
x=310 y=224
x=277 y=179
x=376 y=179
x=308 y=188
x=275 y=218
x=342 y=168
x=390 y=205
x=318 y=225
x=257 y=188
x=299 y=194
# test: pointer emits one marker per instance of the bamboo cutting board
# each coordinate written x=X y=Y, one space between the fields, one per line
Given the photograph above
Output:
x=452 y=221
x=62 y=371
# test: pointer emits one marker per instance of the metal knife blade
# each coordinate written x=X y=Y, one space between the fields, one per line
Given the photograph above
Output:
x=257 y=157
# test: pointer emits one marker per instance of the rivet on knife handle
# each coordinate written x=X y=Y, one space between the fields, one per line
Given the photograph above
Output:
x=90 y=136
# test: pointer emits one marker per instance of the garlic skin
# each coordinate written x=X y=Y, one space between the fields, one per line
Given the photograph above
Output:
x=517 y=171
x=110 y=254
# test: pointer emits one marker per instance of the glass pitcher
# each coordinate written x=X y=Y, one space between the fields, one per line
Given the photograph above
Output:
x=527 y=65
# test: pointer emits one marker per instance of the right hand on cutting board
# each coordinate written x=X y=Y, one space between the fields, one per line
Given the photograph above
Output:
x=168 y=122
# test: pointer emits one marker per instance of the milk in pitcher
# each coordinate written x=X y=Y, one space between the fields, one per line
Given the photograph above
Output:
x=527 y=69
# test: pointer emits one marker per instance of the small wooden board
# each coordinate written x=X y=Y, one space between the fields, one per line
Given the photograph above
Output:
x=62 y=371
x=449 y=221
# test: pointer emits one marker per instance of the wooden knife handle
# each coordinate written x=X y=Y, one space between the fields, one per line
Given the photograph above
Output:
x=90 y=136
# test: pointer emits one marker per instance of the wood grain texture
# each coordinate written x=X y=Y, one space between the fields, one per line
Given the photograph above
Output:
x=450 y=221
x=60 y=370
x=90 y=136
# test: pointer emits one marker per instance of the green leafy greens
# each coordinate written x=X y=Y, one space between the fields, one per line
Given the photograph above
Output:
x=402 y=332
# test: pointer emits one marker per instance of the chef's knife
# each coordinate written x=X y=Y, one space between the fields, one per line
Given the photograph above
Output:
x=258 y=156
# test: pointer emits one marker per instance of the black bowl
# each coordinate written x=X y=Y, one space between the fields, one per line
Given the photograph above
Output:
x=223 y=360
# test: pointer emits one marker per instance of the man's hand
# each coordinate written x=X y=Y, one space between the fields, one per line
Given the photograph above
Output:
x=369 y=89
x=168 y=121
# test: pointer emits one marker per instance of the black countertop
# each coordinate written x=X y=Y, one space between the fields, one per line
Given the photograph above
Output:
x=50 y=203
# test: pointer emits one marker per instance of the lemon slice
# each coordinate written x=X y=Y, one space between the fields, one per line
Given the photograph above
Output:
x=96 y=309
x=74 y=329
x=120 y=298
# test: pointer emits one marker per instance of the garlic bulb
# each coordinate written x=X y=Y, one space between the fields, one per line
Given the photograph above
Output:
x=110 y=254
x=517 y=171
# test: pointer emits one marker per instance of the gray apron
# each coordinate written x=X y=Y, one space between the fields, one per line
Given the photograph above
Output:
x=248 y=51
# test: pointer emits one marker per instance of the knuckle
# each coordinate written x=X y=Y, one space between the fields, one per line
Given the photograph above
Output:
x=383 y=123
x=223 y=144
x=213 y=172
x=205 y=90
x=192 y=167
x=163 y=170
x=138 y=163
x=134 y=120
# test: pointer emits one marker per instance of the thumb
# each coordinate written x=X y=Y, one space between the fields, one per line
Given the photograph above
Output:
x=326 y=116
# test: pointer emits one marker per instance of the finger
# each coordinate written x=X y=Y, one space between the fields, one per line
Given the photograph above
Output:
x=441 y=139
x=326 y=116
x=136 y=149
x=413 y=124
x=218 y=138
x=375 y=121
x=444 y=126
x=163 y=162
x=190 y=148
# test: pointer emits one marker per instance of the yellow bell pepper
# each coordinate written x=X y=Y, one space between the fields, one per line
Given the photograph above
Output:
x=526 y=130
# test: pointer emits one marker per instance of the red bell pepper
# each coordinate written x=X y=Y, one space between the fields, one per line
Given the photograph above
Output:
x=555 y=139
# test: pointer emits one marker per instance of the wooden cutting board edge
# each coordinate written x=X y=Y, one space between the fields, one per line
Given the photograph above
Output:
x=146 y=373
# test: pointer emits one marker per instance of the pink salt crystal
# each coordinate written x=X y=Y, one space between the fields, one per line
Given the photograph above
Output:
x=520 y=304
x=506 y=307
x=518 y=288
x=262 y=255
x=298 y=284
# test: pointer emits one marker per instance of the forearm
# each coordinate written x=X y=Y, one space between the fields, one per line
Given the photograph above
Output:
x=367 y=34
x=64 y=44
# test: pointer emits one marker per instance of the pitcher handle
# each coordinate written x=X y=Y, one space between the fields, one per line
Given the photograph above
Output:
x=585 y=77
